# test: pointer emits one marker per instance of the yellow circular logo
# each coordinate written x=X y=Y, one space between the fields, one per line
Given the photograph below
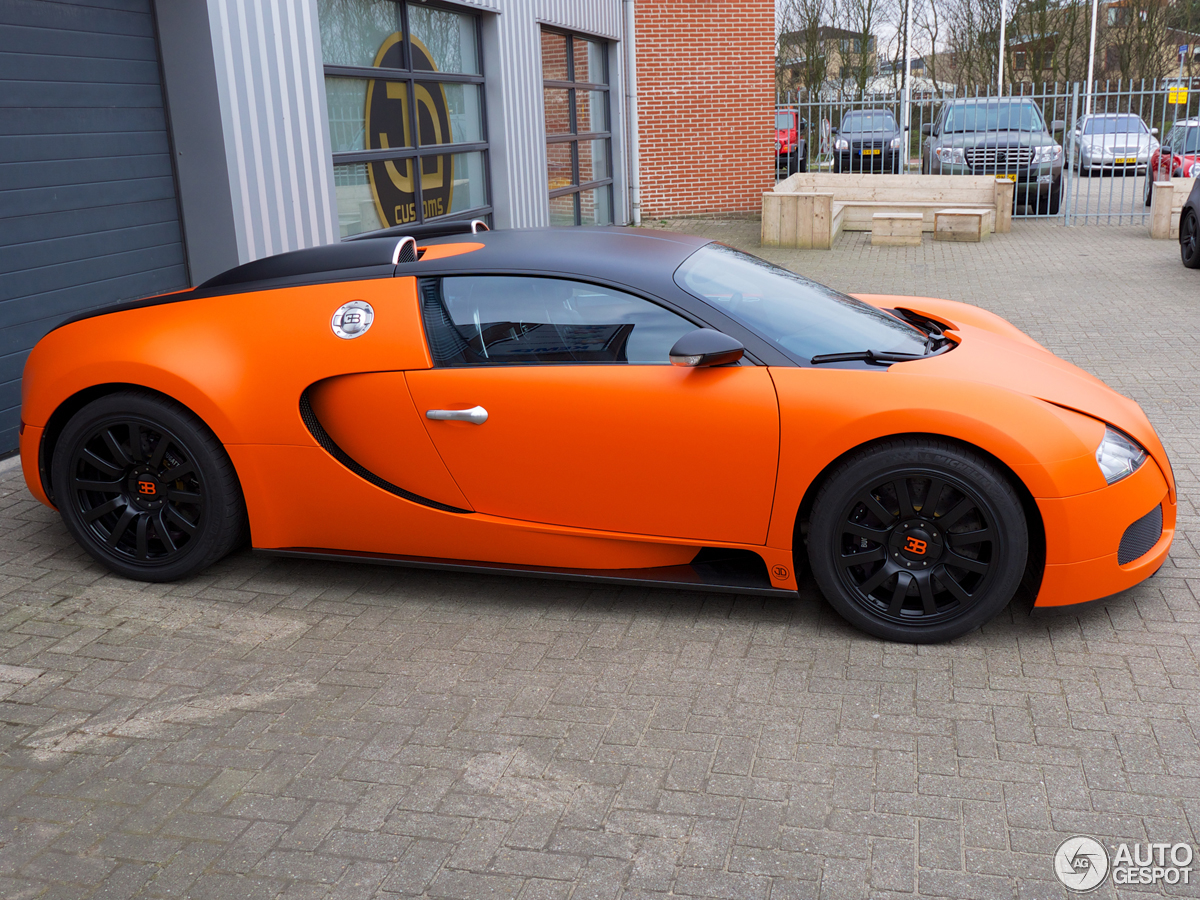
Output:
x=389 y=121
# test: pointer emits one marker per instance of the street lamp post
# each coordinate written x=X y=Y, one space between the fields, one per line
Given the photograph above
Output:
x=906 y=94
x=1000 y=67
x=1087 y=98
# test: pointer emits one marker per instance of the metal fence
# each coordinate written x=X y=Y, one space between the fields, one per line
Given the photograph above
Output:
x=1085 y=162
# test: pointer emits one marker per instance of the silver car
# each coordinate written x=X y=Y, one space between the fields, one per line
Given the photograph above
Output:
x=1113 y=141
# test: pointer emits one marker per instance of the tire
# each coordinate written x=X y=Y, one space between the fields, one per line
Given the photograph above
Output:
x=803 y=164
x=146 y=488
x=1054 y=202
x=901 y=590
x=1149 y=186
x=1050 y=203
x=1189 y=239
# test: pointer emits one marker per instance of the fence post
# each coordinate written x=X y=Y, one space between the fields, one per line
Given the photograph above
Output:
x=1068 y=172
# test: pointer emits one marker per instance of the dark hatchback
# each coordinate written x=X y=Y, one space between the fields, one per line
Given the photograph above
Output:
x=867 y=141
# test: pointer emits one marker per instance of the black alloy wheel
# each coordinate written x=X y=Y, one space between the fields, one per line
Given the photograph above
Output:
x=1189 y=239
x=146 y=488
x=918 y=541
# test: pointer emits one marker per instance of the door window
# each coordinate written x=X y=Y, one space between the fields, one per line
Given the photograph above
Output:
x=489 y=320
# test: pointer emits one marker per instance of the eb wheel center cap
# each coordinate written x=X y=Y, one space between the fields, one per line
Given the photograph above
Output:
x=146 y=490
x=916 y=544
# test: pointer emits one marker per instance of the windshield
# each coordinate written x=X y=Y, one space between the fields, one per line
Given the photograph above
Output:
x=875 y=121
x=1116 y=125
x=805 y=318
x=994 y=116
x=784 y=121
x=1189 y=141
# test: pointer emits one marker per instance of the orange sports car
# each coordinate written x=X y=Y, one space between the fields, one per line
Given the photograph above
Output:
x=600 y=404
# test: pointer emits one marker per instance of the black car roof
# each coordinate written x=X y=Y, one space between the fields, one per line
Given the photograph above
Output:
x=634 y=256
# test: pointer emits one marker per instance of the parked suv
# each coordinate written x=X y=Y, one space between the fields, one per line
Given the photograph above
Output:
x=791 y=141
x=1002 y=136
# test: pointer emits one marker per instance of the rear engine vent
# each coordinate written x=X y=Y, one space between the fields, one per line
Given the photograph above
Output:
x=1140 y=536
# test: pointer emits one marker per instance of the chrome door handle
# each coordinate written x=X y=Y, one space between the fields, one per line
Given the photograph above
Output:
x=476 y=415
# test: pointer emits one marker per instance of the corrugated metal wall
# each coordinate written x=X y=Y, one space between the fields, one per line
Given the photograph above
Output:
x=272 y=93
x=88 y=214
x=521 y=75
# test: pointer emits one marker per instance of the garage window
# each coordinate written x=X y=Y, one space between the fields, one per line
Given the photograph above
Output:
x=578 y=129
x=404 y=90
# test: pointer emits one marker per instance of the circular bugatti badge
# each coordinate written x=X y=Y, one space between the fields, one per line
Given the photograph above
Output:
x=353 y=319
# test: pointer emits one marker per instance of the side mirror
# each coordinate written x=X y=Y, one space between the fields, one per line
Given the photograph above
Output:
x=706 y=347
x=1057 y=125
x=833 y=129
x=1154 y=132
x=927 y=128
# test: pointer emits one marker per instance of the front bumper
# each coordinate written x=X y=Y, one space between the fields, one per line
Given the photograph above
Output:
x=1083 y=536
x=1032 y=179
x=852 y=160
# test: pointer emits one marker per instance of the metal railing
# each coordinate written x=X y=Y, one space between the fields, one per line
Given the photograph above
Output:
x=1098 y=174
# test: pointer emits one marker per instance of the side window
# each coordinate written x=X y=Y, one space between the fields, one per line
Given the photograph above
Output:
x=1169 y=140
x=497 y=320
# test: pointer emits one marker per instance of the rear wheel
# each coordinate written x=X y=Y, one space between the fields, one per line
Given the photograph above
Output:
x=1189 y=239
x=917 y=541
x=146 y=488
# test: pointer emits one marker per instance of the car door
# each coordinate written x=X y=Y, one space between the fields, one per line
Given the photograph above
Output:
x=554 y=401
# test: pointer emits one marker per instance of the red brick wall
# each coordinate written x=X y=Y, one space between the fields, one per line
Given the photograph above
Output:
x=705 y=73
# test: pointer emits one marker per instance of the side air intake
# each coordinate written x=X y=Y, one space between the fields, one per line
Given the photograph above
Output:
x=1140 y=536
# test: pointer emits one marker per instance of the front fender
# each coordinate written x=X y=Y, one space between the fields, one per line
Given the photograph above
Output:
x=827 y=413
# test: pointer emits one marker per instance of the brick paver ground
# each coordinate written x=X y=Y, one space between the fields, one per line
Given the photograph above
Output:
x=291 y=729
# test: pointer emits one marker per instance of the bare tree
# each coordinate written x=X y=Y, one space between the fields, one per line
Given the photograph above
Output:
x=801 y=49
x=972 y=40
x=1136 y=37
x=863 y=18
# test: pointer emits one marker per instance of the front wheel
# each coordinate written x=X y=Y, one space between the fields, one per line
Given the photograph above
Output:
x=1189 y=239
x=146 y=488
x=917 y=541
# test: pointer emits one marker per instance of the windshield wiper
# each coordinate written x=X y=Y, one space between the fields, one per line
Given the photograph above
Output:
x=878 y=357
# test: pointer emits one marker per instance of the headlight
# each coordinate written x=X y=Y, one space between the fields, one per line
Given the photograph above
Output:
x=952 y=155
x=840 y=144
x=895 y=143
x=1118 y=456
x=1047 y=154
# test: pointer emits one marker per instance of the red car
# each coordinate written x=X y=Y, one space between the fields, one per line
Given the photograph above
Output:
x=1178 y=156
x=791 y=144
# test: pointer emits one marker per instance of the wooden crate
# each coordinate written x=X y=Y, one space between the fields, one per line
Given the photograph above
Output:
x=892 y=229
x=962 y=224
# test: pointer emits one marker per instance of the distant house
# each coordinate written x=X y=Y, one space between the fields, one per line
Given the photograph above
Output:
x=828 y=55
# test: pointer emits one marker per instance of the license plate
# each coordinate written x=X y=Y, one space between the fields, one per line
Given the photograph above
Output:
x=1008 y=177
x=869 y=152
x=1126 y=160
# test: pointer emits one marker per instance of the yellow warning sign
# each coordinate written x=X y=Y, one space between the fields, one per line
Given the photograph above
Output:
x=1177 y=95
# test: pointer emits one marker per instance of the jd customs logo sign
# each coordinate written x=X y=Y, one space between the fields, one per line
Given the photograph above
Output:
x=388 y=121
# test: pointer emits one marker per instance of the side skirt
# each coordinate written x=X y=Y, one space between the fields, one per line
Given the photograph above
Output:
x=712 y=570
